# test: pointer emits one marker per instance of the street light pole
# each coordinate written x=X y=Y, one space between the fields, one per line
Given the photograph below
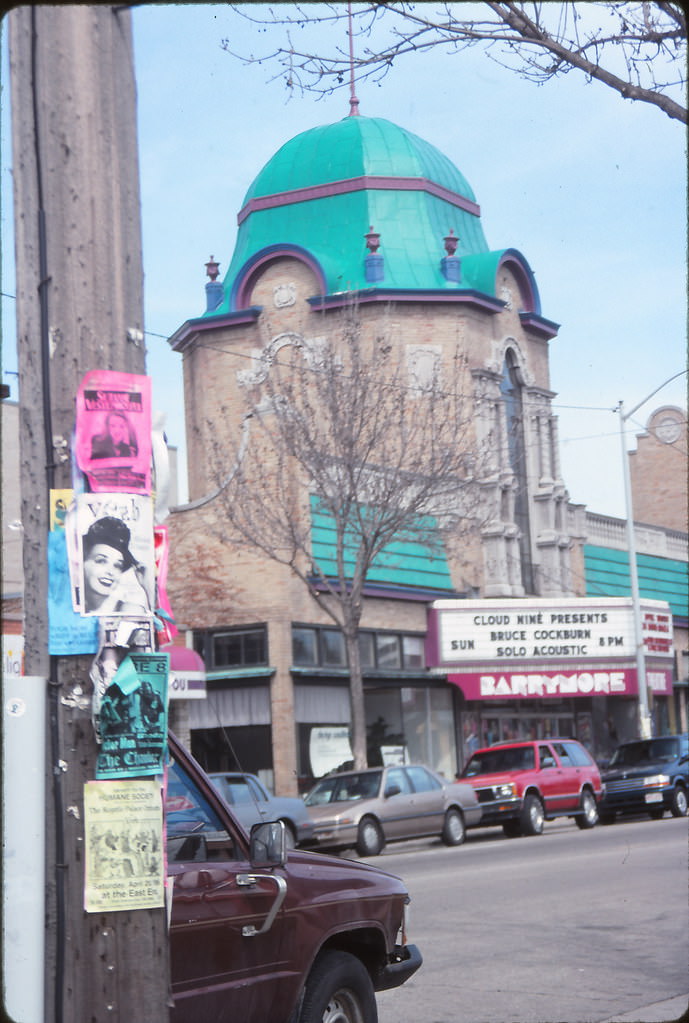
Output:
x=645 y=721
x=645 y=728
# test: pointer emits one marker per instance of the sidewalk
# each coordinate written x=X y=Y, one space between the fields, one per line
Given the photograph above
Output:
x=667 y=1011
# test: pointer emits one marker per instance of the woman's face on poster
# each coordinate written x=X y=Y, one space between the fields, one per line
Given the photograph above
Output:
x=118 y=429
x=103 y=569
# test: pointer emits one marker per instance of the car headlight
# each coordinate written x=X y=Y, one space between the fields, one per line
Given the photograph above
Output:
x=657 y=779
x=406 y=920
x=505 y=791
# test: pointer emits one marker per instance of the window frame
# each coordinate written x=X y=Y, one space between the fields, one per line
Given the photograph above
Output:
x=206 y=642
x=409 y=646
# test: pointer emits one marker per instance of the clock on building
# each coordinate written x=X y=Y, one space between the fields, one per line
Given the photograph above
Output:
x=667 y=425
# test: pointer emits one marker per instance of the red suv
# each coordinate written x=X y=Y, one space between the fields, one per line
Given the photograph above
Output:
x=522 y=784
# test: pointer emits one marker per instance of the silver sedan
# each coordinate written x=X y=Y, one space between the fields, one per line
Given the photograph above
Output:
x=365 y=809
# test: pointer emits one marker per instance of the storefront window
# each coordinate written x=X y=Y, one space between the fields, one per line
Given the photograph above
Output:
x=413 y=651
x=333 y=647
x=304 y=646
x=384 y=727
x=506 y=725
x=428 y=722
x=388 y=651
x=366 y=651
x=419 y=719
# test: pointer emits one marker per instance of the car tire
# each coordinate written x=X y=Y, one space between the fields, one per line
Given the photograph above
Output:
x=588 y=816
x=678 y=803
x=290 y=835
x=338 y=990
x=370 y=839
x=512 y=829
x=532 y=816
x=454 y=831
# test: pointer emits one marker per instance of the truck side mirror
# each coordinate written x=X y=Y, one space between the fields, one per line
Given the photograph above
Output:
x=268 y=844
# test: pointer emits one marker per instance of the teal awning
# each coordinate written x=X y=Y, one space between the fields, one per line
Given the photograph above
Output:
x=607 y=574
x=408 y=562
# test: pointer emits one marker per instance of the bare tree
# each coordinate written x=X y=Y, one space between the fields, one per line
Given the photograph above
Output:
x=638 y=49
x=375 y=438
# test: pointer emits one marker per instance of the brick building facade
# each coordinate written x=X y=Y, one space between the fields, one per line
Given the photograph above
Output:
x=276 y=675
x=658 y=470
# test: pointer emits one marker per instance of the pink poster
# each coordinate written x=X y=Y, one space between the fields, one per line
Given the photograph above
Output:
x=166 y=625
x=113 y=431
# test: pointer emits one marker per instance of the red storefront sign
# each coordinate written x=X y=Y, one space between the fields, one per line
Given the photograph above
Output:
x=537 y=684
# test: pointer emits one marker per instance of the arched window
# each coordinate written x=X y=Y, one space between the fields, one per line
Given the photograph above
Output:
x=511 y=387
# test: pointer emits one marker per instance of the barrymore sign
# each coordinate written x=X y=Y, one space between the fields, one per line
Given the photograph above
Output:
x=535 y=647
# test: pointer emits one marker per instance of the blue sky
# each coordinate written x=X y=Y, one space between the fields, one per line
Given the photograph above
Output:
x=589 y=187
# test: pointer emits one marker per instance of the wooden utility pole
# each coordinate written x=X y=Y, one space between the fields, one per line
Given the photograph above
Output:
x=79 y=307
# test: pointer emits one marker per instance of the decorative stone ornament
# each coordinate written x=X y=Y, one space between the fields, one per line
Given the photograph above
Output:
x=372 y=240
x=214 y=288
x=451 y=241
x=668 y=428
x=284 y=295
x=374 y=267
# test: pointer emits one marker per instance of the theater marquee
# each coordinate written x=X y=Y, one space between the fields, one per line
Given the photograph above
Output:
x=540 y=648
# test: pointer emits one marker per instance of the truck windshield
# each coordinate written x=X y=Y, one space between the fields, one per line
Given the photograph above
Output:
x=492 y=761
x=341 y=787
x=645 y=751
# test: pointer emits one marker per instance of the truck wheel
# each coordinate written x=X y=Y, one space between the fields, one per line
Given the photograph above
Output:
x=532 y=815
x=453 y=832
x=339 y=990
x=588 y=818
x=370 y=838
x=678 y=804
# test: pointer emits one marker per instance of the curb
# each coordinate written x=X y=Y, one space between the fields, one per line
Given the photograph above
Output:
x=670 y=1010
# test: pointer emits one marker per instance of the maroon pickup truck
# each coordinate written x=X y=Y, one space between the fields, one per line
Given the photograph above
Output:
x=259 y=935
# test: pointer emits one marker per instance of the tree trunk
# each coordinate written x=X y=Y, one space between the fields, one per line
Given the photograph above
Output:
x=356 y=698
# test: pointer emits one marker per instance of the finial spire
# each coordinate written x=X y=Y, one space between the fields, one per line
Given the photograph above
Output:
x=353 y=101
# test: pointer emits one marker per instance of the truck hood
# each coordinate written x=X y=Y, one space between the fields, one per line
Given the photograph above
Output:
x=317 y=860
x=638 y=770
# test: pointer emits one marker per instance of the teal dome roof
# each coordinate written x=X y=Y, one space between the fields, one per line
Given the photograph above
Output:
x=322 y=191
x=353 y=147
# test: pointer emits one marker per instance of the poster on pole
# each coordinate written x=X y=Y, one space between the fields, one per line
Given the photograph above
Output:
x=113 y=431
x=131 y=720
x=68 y=632
x=117 y=639
x=167 y=630
x=111 y=554
x=124 y=862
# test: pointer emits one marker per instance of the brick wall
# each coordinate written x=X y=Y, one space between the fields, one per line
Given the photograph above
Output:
x=658 y=472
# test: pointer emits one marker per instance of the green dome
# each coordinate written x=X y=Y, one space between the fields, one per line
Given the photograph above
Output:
x=320 y=193
x=353 y=147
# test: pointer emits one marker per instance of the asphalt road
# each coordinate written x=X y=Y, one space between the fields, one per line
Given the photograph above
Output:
x=570 y=926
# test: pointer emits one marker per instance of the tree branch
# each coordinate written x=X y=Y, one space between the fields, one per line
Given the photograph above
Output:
x=596 y=39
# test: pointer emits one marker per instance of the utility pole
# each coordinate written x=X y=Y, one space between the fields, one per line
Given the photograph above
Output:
x=645 y=717
x=79 y=307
